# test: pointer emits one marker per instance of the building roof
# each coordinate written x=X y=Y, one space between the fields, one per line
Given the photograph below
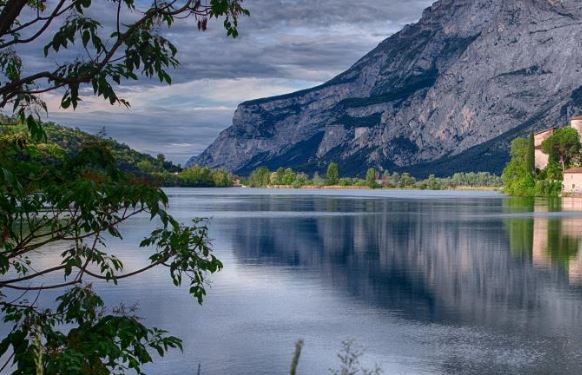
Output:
x=548 y=129
x=573 y=170
x=579 y=117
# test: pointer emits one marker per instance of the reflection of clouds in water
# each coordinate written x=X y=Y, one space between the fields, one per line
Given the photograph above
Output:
x=426 y=261
x=274 y=216
x=428 y=286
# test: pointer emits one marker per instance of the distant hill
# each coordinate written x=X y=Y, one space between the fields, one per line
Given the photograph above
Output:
x=156 y=170
x=129 y=159
x=446 y=94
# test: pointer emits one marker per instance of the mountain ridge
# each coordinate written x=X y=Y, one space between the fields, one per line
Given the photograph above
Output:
x=445 y=94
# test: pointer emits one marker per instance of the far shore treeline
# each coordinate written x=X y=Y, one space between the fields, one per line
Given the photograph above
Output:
x=165 y=173
x=287 y=177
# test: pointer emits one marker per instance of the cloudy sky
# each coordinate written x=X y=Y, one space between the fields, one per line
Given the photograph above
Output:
x=285 y=45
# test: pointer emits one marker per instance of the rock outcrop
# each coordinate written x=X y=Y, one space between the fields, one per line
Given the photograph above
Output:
x=445 y=94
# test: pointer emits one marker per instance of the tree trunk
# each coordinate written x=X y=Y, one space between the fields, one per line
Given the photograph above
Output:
x=11 y=10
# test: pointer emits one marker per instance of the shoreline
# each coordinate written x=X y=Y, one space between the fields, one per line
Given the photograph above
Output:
x=339 y=187
x=343 y=188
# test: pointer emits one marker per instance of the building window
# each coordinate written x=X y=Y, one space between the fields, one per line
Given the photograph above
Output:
x=573 y=186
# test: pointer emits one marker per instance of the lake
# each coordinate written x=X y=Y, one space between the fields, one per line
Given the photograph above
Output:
x=427 y=282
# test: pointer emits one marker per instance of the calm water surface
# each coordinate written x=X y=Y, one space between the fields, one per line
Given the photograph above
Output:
x=428 y=282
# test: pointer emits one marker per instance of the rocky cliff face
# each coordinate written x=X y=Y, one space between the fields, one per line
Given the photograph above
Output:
x=445 y=94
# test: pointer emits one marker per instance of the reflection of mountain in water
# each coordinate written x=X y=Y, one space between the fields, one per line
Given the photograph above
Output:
x=424 y=260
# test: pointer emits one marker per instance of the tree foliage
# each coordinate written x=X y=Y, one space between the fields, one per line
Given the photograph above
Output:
x=73 y=140
x=520 y=179
x=134 y=47
x=127 y=159
x=563 y=146
x=75 y=202
x=531 y=154
x=74 y=199
x=517 y=178
x=262 y=177
x=332 y=176
x=371 y=178
x=197 y=176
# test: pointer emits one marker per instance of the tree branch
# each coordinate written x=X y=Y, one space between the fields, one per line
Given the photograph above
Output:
x=50 y=19
x=31 y=276
x=42 y=287
x=8 y=89
x=37 y=19
x=9 y=14
x=124 y=276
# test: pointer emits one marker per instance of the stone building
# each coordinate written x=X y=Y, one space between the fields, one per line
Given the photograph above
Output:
x=576 y=123
x=572 y=181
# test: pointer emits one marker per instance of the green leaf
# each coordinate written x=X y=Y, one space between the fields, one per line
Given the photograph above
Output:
x=86 y=38
x=35 y=128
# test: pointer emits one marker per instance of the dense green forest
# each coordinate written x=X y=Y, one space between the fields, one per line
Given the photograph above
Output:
x=157 y=169
x=127 y=158
x=73 y=139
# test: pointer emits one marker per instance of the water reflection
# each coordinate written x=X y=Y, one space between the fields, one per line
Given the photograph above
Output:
x=431 y=283
x=510 y=267
x=551 y=237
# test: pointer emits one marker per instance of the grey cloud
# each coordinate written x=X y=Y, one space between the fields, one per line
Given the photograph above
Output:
x=178 y=135
x=281 y=35
x=301 y=40
x=331 y=12
x=277 y=37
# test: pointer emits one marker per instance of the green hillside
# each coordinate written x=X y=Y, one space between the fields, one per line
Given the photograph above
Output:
x=72 y=140
x=128 y=159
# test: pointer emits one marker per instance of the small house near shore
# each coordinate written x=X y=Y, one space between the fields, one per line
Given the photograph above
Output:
x=572 y=181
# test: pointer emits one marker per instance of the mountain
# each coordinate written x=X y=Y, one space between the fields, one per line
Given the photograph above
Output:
x=445 y=94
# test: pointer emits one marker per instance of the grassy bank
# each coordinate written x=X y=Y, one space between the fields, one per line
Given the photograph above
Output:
x=340 y=187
